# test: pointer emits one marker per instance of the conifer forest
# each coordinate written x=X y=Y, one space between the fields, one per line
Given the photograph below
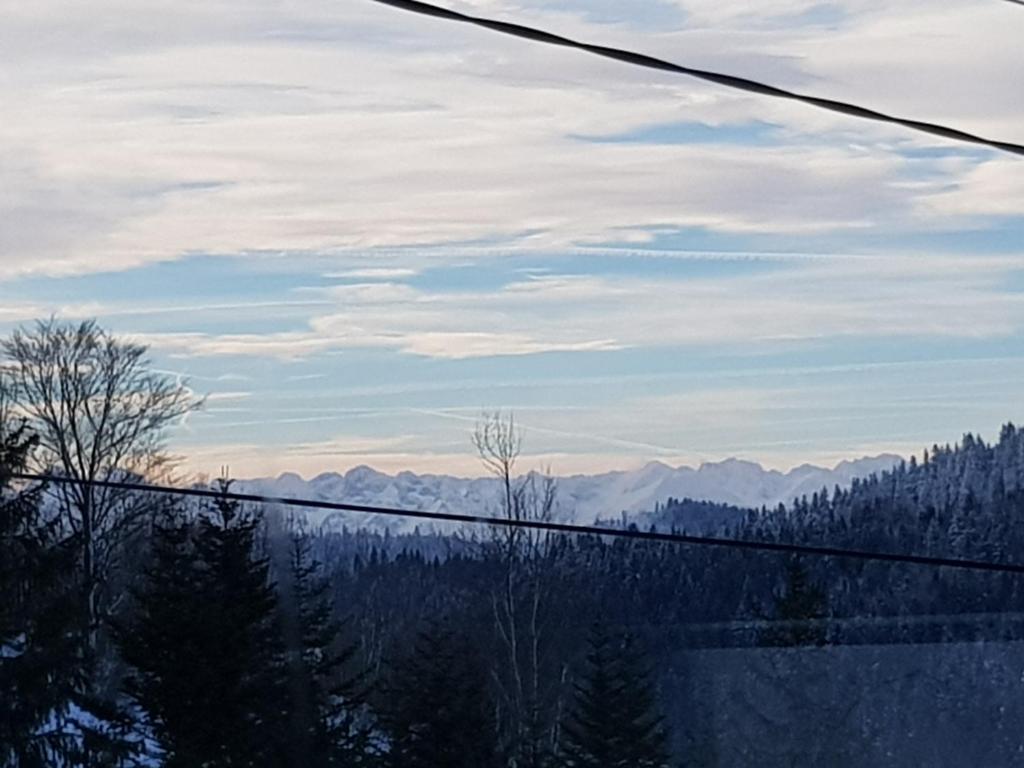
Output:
x=151 y=629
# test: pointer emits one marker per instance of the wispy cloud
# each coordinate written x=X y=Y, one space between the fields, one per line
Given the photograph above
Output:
x=443 y=230
x=877 y=297
x=127 y=152
x=373 y=273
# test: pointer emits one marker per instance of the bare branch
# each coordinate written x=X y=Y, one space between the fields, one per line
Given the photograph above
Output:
x=100 y=413
x=518 y=601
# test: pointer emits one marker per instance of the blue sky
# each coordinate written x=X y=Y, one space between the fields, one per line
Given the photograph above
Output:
x=356 y=229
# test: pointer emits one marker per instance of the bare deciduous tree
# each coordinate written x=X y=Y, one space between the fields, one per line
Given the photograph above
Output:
x=518 y=605
x=100 y=413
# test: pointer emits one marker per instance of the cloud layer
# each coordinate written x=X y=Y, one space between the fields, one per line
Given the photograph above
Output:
x=356 y=227
x=148 y=132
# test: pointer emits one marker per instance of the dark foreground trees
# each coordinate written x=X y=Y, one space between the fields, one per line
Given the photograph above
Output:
x=614 y=721
x=800 y=607
x=437 y=713
x=37 y=650
x=227 y=671
x=48 y=714
x=329 y=723
x=205 y=657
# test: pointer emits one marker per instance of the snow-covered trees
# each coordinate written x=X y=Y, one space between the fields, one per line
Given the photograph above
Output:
x=232 y=649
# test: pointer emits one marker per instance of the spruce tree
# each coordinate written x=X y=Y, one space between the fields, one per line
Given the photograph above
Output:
x=437 y=713
x=329 y=721
x=49 y=714
x=614 y=722
x=204 y=645
x=163 y=646
x=39 y=656
x=800 y=602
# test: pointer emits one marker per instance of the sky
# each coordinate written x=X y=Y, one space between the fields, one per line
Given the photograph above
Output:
x=355 y=229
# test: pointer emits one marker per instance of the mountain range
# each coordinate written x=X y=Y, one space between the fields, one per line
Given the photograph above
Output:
x=581 y=498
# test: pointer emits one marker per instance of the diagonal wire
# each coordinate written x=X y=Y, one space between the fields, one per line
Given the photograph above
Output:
x=541 y=525
x=729 y=81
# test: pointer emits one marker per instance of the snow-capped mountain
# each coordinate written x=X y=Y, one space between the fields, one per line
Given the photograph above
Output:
x=581 y=498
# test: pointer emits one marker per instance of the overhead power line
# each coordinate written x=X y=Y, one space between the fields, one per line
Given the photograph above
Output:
x=729 y=81
x=541 y=525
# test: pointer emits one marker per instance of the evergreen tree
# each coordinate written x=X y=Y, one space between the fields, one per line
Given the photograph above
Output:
x=204 y=646
x=614 y=722
x=329 y=719
x=163 y=645
x=48 y=716
x=437 y=713
x=800 y=602
x=38 y=655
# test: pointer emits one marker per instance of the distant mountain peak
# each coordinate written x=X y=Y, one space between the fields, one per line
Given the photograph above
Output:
x=732 y=463
x=657 y=465
x=884 y=460
x=581 y=498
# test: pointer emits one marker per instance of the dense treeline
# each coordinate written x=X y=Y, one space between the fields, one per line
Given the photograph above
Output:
x=963 y=501
x=144 y=631
x=137 y=630
x=673 y=597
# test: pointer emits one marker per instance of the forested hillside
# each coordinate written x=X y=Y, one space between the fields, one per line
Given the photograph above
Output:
x=149 y=629
x=959 y=501
x=963 y=501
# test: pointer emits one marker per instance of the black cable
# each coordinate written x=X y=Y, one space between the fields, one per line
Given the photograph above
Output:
x=540 y=525
x=729 y=81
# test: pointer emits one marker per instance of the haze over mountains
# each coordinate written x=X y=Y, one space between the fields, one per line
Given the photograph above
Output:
x=581 y=498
